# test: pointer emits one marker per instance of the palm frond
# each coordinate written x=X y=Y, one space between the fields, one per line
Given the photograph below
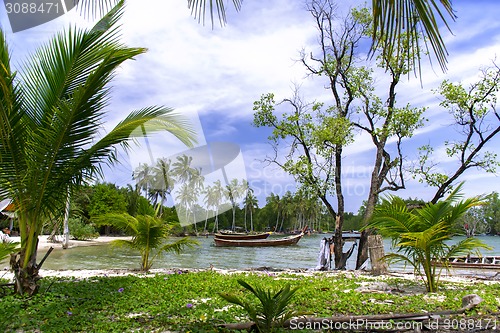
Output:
x=199 y=9
x=392 y=218
x=123 y=221
x=396 y=257
x=466 y=246
x=179 y=245
x=153 y=119
x=411 y=17
x=123 y=243
x=95 y=8
x=13 y=133
x=6 y=248
x=67 y=81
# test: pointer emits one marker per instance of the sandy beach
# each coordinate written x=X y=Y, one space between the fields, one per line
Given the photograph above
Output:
x=44 y=243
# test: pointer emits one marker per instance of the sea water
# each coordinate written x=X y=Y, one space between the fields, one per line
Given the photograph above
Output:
x=302 y=256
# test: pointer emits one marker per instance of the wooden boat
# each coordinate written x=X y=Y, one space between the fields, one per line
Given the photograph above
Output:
x=486 y=262
x=237 y=236
x=285 y=241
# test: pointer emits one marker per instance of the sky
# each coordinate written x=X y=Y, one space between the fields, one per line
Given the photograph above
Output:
x=213 y=76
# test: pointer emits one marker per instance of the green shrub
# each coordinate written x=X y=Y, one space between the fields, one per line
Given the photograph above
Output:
x=80 y=230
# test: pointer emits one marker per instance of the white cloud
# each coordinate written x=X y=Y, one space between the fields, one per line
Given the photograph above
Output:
x=219 y=73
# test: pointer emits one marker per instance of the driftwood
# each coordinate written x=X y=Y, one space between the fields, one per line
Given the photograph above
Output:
x=468 y=302
x=45 y=257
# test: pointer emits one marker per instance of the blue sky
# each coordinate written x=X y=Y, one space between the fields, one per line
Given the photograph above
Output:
x=214 y=76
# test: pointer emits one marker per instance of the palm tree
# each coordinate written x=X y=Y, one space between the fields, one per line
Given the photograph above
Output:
x=163 y=182
x=182 y=168
x=234 y=191
x=422 y=235
x=186 y=199
x=143 y=175
x=51 y=114
x=250 y=204
x=216 y=195
x=212 y=199
x=274 y=202
x=148 y=236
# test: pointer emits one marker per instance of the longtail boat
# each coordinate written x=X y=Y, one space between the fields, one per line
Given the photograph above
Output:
x=236 y=236
x=284 y=241
x=485 y=262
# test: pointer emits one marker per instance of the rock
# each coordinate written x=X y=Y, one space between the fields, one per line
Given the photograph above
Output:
x=470 y=301
x=375 y=287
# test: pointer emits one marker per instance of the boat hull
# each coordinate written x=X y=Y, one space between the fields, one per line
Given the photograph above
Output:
x=241 y=236
x=487 y=262
x=286 y=241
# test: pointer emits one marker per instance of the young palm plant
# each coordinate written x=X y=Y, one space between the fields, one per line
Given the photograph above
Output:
x=148 y=233
x=6 y=248
x=272 y=311
x=52 y=113
x=423 y=236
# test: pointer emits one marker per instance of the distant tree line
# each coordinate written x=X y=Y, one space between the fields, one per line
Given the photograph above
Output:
x=285 y=213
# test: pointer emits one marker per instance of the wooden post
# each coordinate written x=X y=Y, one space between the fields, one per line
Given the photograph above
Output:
x=376 y=251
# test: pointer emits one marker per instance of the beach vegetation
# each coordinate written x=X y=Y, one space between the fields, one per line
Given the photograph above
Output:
x=272 y=309
x=421 y=236
x=182 y=301
x=149 y=234
x=7 y=247
x=52 y=113
x=81 y=230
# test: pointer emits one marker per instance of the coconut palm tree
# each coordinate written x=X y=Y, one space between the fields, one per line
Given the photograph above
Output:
x=182 y=168
x=216 y=195
x=234 y=191
x=51 y=116
x=164 y=181
x=144 y=177
x=212 y=200
x=186 y=199
x=422 y=236
x=148 y=233
x=392 y=19
x=250 y=204
x=274 y=201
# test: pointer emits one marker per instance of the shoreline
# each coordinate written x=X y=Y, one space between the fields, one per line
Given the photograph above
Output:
x=44 y=244
x=352 y=274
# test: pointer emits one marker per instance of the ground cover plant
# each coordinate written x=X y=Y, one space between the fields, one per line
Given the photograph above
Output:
x=187 y=301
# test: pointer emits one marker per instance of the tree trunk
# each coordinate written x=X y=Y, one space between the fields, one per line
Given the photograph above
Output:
x=376 y=249
x=246 y=219
x=65 y=244
x=339 y=218
x=375 y=183
x=233 y=228
x=338 y=243
x=26 y=278
x=251 y=220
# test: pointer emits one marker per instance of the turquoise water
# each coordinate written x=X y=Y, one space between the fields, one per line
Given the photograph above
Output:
x=301 y=256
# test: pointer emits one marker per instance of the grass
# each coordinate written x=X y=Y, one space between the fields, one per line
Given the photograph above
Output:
x=190 y=302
